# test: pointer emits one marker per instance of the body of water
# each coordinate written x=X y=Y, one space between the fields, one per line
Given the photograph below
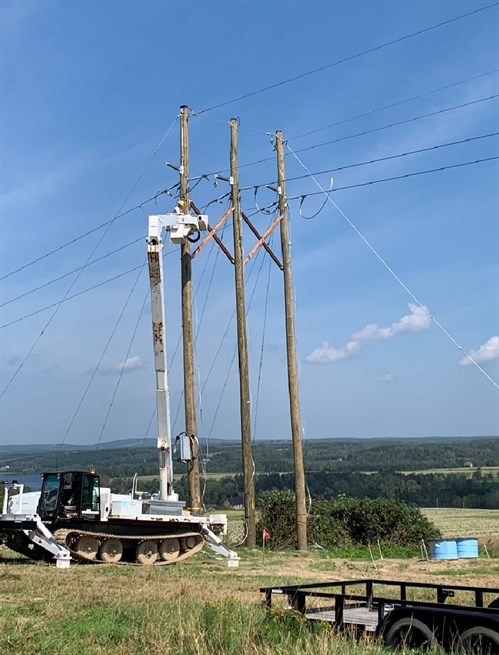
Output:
x=34 y=482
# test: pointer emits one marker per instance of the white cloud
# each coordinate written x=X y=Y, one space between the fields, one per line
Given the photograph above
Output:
x=129 y=365
x=386 y=377
x=328 y=354
x=485 y=353
x=418 y=319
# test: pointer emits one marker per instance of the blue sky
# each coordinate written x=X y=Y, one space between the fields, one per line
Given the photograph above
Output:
x=89 y=90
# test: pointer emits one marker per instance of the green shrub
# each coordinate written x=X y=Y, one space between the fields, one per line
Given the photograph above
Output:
x=344 y=521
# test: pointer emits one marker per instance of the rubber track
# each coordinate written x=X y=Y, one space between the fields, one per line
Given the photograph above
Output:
x=61 y=536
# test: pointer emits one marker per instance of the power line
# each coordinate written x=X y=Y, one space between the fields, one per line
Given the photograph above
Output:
x=397 y=123
x=390 y=179
x=58 y=305
x=80 y=293
x=67 y=298
x=75 y=270
x=122 y=369
x=102 y=355
x=365 y=132
x=393 y=104
x=380 y=46
x=380 y=159
x=85 y=234
x=390 y=270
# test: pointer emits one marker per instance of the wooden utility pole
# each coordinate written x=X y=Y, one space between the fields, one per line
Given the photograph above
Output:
x=242 y=343
x=187 y=331
x=294 y=400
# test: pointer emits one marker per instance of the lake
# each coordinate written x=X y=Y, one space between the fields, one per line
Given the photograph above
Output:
x=34 y=482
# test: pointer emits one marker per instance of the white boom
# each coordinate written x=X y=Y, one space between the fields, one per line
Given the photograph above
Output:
x=181 y=227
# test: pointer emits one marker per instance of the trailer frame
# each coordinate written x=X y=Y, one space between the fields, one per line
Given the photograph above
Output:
x=382 y=615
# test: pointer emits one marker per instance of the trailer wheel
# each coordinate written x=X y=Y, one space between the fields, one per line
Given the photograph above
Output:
x=111 y=551
x=169 y=549
x=146 y=552
x=409 y=633
x=479 y=641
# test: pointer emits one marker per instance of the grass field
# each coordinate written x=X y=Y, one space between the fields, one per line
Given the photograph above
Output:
x=469 y=472
x=199 y=607
x=456 y=522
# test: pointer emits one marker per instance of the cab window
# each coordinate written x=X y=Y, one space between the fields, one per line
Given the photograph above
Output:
x=50 y=492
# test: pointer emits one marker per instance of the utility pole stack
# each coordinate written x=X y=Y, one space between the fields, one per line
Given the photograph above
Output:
x=187 y=331
x=294 y=401
x=242 y=344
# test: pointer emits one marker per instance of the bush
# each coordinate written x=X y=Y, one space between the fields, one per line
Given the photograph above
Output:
x=344 y=521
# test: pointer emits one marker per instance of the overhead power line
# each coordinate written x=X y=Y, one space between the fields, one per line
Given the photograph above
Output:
x=343 y=60
x=102 y=355
x=85 y=234
x=393 y=104
x=397 y=123
x=391 y=179
x=379 y=159
x=67 y=298
x=359 y=134
x=392 y=272
x=80 y=293
x=75 y=270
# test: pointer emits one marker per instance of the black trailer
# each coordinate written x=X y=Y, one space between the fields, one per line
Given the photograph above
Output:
x=398 y=614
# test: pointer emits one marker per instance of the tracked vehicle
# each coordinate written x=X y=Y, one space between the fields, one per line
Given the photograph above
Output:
x=74 y=518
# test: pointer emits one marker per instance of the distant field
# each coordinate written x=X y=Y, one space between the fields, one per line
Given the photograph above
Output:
x=456 y=522
x=494 y=470
x=210 y=476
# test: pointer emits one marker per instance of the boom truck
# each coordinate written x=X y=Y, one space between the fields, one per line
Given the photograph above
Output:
x=74 y=518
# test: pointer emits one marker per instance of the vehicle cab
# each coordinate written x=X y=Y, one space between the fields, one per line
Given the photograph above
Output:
x=68 y=496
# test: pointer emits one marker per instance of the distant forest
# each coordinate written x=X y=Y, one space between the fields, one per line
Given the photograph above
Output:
x=362 y=468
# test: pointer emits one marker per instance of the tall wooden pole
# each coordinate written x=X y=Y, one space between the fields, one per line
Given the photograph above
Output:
x=294 y=400
x=242 y=343
x=187 y=331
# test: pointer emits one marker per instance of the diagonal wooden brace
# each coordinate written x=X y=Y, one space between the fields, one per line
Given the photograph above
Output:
x=212 y=234
x=261 y=241
x=264 y=244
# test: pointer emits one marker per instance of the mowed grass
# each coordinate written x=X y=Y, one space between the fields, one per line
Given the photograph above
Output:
x=197 y=608
x=457 y=522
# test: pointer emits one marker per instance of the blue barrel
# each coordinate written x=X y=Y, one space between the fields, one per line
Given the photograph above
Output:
x=443 y=549
x=467 y=547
